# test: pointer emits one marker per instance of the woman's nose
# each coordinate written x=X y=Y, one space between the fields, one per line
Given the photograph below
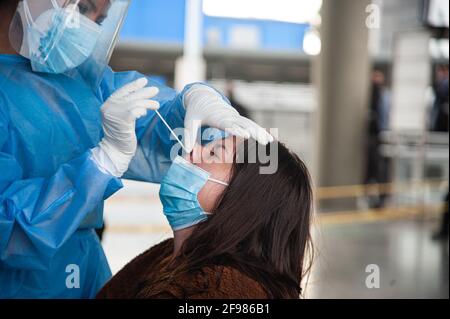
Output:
x=196 y=154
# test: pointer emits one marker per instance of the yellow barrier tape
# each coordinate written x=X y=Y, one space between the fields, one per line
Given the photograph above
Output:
x=336 y=218
x=352 y=191
x=325 y=193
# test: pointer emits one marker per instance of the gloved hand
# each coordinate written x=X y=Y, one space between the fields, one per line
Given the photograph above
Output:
x=206 y=107
x=119 y=115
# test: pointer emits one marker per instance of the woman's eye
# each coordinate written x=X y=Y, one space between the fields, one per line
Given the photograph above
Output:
x=83 y=8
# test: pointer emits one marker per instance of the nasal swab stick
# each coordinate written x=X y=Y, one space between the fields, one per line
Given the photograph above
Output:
x=171 y=131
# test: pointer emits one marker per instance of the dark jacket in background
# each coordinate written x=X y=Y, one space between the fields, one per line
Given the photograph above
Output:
x=440 y=112
x=222 y=282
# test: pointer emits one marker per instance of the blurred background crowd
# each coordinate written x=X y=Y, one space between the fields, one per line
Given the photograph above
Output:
x=357 y=88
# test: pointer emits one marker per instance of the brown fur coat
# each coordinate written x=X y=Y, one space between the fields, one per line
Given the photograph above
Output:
x=222 y=282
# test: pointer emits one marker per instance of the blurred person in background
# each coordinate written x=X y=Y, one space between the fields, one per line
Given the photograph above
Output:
x=439 y=122
x=253 y=243
x=442 y=232
x=439 y=116
x=377 y=166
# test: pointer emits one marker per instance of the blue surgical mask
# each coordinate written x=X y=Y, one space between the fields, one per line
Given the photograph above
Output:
x=60 y=39
x=179 y=193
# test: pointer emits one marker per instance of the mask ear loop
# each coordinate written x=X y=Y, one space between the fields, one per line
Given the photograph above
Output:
x=218 y=181
x=27 y=12
x=55 y=4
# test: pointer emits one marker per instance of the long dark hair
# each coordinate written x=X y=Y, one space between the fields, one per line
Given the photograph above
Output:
x=260 y=226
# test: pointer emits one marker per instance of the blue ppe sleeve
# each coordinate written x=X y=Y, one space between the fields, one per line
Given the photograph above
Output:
x=38 y=215
x=155 y=142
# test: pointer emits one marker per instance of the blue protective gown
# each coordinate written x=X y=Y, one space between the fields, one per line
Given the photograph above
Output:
x=51 y=192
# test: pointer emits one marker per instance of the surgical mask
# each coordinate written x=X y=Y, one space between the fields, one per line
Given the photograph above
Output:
x=179 y=191
x=60 y=39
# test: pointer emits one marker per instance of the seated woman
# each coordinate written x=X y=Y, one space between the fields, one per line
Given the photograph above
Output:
x=255 y=243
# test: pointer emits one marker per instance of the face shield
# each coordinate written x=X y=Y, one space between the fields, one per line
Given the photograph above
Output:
x=73 y=37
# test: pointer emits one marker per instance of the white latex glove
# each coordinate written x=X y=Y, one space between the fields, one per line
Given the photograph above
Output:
x=206 y=107
x=119 y=115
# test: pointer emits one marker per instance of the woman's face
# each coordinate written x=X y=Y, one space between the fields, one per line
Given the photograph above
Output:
x=216 y=158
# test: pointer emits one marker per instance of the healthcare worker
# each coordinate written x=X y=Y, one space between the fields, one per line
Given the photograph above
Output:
x=70 y=129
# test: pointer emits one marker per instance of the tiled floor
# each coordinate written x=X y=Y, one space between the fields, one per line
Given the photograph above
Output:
x=410 y=264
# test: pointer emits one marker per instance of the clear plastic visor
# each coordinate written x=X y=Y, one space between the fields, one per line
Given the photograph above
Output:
x=81 y=31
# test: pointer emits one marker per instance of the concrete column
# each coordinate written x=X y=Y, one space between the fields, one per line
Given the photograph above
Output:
x=342 y=75
x=191 y=67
